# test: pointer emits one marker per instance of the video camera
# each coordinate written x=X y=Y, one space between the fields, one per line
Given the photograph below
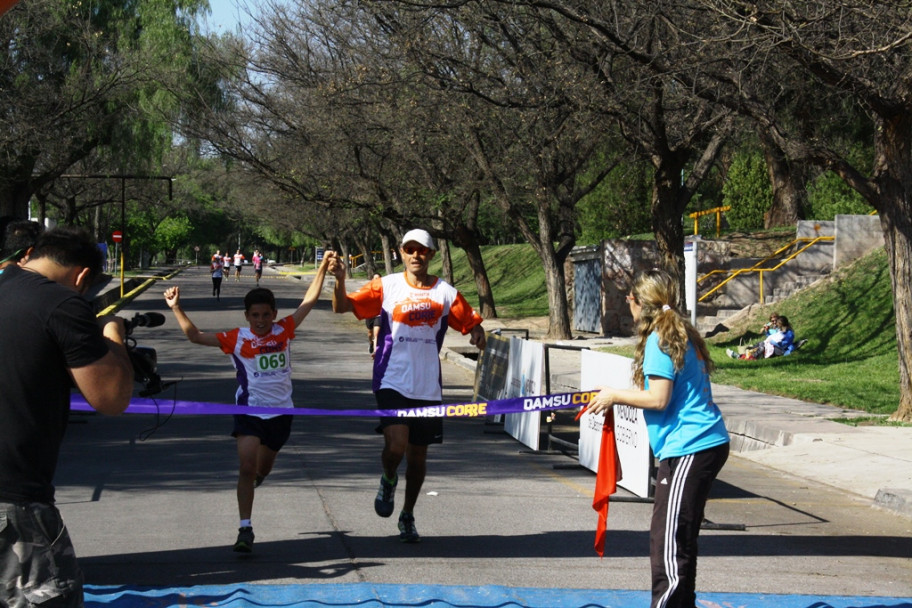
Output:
x=143 y=358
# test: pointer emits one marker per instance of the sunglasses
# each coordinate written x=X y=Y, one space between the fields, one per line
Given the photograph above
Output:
x=415 y=249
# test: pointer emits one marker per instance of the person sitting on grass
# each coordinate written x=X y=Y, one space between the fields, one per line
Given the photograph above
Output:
x=779 y=343
x=771 y=326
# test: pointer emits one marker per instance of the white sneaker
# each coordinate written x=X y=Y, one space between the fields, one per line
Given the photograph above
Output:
x=731 y=353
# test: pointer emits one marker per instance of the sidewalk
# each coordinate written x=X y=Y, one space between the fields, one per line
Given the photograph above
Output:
x=789 y=435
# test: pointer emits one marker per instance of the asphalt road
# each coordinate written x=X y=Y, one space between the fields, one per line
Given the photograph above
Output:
x=150 y=501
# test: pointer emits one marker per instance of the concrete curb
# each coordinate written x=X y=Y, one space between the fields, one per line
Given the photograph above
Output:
x=457 y=358
x=899 y=501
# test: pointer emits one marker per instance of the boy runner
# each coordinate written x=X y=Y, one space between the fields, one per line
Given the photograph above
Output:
x=262 y=356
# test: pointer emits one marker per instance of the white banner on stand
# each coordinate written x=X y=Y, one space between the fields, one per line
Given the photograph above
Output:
x=691 y=260
x=525 y=372
x=631 y=435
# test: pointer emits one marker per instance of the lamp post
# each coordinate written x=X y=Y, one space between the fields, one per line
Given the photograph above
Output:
x=123 y=206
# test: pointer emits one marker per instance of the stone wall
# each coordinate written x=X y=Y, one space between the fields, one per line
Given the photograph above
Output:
x=603 y=297
x=621 y=260
x=856 y=236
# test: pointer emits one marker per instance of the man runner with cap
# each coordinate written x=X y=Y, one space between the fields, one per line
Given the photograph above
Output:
x=415 y=309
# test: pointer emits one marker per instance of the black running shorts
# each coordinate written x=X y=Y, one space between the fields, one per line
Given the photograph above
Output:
x=273 y=432
x=422 y=431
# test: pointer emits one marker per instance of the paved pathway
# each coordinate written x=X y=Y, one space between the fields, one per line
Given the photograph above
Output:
x=150 y=504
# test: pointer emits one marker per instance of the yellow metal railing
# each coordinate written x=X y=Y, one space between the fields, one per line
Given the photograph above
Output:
x=696 y=215
x=809 y=242
x=356 y=259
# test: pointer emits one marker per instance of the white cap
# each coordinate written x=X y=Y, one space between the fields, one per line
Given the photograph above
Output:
x=419 y=236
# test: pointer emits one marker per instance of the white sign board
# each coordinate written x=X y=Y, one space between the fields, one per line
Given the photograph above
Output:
x=690 y=278
x=630 y=433
x=525 y=372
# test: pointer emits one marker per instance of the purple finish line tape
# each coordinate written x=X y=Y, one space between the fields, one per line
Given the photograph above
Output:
x=454 y=410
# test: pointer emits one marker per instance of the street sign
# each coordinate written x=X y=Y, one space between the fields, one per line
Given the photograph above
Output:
x=117 y=236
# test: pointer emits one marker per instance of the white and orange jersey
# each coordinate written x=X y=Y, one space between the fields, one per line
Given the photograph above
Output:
x=413 y=321
x=263 y=364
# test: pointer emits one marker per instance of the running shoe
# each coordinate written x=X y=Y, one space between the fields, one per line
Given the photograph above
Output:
x=731 y=353
x=385 y=501
x=244 y=542
x=408 y=533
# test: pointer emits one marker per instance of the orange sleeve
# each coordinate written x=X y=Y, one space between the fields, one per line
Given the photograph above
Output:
x=228 y=340
x=462 y=316
x=367 y=302
x=288 y=325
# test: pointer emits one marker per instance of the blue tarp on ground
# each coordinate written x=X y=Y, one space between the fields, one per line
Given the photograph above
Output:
x=366 y=595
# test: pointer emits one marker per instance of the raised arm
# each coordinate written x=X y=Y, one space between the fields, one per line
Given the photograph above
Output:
x=172 y=298
x=340 y=300
x=312 y=294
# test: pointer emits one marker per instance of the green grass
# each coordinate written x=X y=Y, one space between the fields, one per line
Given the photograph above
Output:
x=851 y=359
x=516 y=275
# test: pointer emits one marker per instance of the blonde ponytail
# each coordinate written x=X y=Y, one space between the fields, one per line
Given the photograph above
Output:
x=656 y=292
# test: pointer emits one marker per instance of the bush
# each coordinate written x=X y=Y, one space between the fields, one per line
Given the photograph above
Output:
x=829 y=196
x=618 y=207
x=748 y=191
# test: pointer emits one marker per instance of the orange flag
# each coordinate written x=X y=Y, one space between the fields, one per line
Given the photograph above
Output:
x=609 y=471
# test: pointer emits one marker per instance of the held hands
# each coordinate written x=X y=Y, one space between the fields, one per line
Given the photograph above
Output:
x=335 y=265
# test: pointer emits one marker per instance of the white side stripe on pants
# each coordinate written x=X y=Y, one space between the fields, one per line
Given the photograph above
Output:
x=672 y=516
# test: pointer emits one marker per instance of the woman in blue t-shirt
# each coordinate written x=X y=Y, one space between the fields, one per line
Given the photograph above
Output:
x=671 y=374
x=782 y=342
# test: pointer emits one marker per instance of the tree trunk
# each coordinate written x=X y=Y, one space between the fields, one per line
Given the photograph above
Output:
x=387 y=252
x=364 y=246
x=469 y=244
x=788 y=192
x=558 y=310
x=14 y=199
x=70 y=210
x=893 y=169
x=666 y=214
x=346 y=257
x=446 y=261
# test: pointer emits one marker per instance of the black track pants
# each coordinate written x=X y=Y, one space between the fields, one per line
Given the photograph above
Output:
x=682 y=487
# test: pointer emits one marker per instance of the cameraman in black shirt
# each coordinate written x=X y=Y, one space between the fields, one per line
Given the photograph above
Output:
x=50 y=340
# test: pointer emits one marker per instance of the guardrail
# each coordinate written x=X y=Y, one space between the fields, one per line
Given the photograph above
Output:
x=696 y=215
x=810 y=241
x=356 y=260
